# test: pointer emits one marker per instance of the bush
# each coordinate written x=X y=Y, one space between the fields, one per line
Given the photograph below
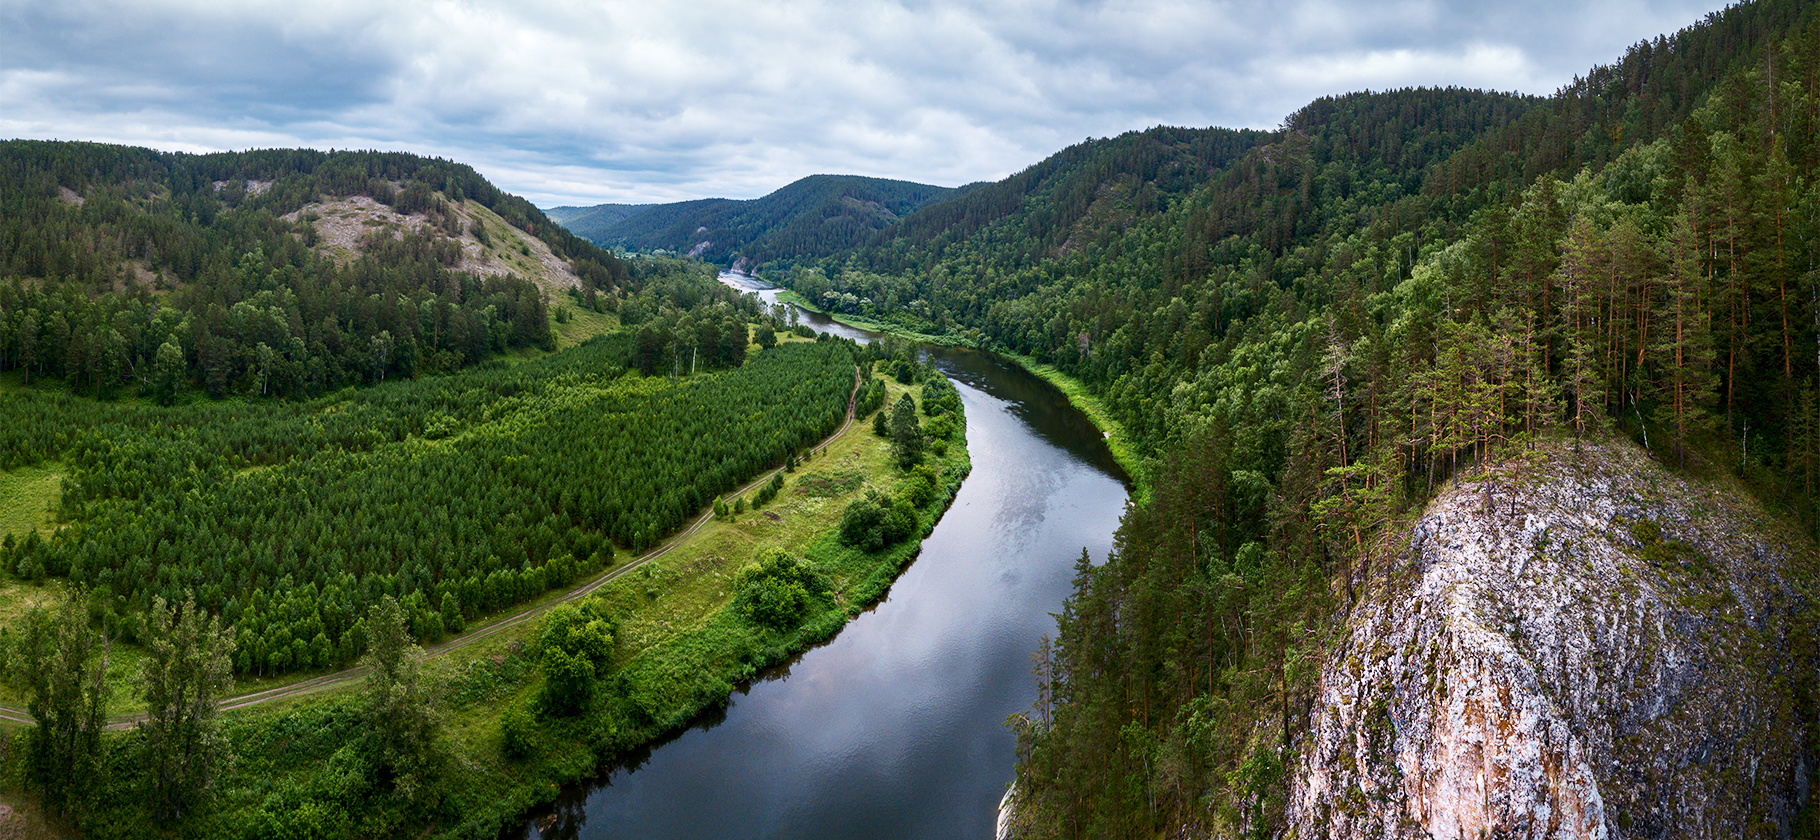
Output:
x=573 y=647
x=876 y=521
x=778 y=590
x=517 y=740
x=920 y=487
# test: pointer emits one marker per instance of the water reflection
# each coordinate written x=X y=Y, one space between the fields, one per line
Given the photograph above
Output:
x=895 y=727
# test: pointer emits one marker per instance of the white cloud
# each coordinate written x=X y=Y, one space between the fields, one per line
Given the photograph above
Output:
x=581 y=102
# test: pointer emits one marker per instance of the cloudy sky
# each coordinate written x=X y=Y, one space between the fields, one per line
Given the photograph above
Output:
x=615 y=101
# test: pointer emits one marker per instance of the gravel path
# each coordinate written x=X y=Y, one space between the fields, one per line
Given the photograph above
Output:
x=338 y=679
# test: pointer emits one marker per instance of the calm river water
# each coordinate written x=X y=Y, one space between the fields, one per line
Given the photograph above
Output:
x=896 y=726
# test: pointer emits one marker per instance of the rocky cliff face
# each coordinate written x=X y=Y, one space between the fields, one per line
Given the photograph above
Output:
x=1593 y=649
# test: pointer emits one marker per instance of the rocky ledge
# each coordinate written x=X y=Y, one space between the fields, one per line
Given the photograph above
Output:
x=1589 y=647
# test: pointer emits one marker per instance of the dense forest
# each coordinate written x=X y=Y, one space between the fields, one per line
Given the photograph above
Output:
x=588 y=222
x=274 y=452
x=129 y=271
x=456 y=495
x=1309 y=330
x=814 y=216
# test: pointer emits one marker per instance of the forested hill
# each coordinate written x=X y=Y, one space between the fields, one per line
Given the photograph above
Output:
x=1098 y=184
x=814 y=216
x=273 y=271
x=1315 y=330
x=591 y=222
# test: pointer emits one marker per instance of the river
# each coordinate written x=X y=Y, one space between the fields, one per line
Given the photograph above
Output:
x=896 y=726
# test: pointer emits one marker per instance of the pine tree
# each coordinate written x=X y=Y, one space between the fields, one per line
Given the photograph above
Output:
x=1582 y=260
x=906 y=433
x=1683 y=353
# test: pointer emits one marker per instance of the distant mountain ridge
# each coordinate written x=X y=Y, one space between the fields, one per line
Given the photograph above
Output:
x=817 y=215
x=586 y=222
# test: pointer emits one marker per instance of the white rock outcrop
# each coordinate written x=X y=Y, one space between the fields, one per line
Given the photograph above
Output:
x=1605 y=651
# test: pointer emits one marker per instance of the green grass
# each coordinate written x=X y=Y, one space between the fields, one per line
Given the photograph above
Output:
x=1124 y=449
x=28 y=498
x=583 y=324
x=694 y=580
x=681 y=645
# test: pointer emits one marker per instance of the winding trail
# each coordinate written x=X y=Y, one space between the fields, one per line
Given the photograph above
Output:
x=337 y=679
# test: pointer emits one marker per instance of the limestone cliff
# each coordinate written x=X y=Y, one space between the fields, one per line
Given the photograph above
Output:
x=1594 y=649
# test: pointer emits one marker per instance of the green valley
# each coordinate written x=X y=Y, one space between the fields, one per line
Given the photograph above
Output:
x=594 y=543
x=1475 y=439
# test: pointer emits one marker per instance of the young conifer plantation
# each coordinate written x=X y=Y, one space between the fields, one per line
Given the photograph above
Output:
x=273 y=459
x=457 y=495
x=1305 y=335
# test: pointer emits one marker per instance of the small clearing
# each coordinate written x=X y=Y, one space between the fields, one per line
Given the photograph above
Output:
x=28 y=496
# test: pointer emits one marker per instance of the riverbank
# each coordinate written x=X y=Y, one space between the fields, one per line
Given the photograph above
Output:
x=1118 y=440
x=883 y=327
x=907 y=705
x=1124 y=449
x=673 y=665
x=681 y=647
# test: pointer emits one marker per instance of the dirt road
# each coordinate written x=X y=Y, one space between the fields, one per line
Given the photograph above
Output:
x=337 y=679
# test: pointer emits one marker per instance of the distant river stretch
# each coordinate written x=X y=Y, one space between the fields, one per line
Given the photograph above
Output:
x=896 y=726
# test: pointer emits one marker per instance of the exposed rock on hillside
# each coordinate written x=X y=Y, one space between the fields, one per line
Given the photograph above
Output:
x=342 y=224
x=1607 y=651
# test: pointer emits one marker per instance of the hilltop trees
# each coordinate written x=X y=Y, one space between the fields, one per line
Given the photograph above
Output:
x=173 y=250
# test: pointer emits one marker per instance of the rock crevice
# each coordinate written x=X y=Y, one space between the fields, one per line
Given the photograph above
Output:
x=1593 y=651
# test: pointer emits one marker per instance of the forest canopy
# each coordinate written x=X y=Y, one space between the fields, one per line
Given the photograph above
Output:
x=1309 y=331
x=129 y=271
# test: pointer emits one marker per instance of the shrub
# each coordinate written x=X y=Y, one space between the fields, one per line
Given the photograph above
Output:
x=778 y=590
x=920 y=487
x=877 y=520
x=517 y=740
x=573 y=647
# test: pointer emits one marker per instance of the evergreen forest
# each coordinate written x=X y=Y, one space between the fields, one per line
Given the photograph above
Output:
x=1308 y=331
x=814 y=216
x=276 y=454
x=129 y=271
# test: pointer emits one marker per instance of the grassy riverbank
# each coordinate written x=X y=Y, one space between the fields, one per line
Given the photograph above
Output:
x=681 y=646
x=1118 y=440
x=1124 y=449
